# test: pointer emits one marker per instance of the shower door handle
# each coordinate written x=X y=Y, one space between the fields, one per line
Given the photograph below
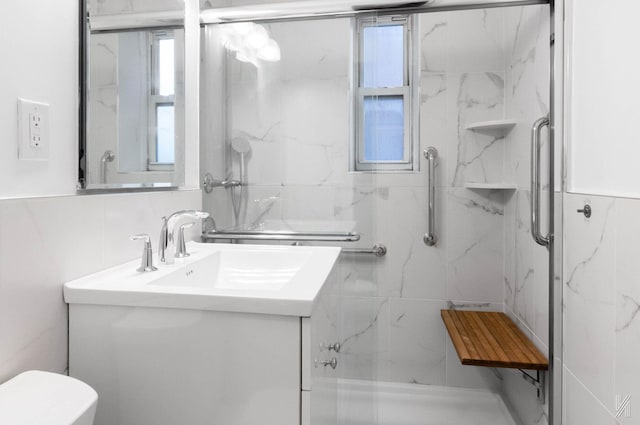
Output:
x=535 y=181
x=431 y=154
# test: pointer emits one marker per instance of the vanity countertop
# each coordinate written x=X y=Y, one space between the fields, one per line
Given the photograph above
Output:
x=264 y=279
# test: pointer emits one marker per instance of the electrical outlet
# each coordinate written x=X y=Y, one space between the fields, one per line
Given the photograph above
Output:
x=33 y=130
x=35 y=136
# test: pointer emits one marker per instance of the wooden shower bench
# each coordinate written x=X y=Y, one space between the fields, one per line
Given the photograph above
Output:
x=491 y=339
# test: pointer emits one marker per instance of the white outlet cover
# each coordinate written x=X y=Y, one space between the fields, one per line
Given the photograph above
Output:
x=27 y=111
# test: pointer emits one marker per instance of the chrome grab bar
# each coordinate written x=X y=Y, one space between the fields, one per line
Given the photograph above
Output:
x=379 y=250
x=281 y=235
x=430 y=238
x=535 y=181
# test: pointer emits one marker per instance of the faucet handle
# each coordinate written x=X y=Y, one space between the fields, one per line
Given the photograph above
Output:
x=146 y=263
x=162 y=243
x=142 y=237
x=181 y=247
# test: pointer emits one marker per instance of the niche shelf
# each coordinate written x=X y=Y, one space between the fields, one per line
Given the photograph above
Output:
x=491 y=339
x=490 y=186
x=491 y=125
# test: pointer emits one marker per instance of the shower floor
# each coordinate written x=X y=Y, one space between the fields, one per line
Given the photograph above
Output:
x=413 y=404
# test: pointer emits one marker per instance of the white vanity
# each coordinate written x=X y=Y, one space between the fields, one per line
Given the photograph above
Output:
x=232 y=335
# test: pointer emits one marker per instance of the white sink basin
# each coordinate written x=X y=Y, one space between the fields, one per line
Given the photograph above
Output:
x=268 y=279
x=248 y=269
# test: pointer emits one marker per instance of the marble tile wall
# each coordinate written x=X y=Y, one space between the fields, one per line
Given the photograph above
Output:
x=601 y=306
x=526 y=263
x=296 y=116
x=48 y=241
x=103 y=103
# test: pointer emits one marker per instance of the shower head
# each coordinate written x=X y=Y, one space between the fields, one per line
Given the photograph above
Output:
x=241 y=146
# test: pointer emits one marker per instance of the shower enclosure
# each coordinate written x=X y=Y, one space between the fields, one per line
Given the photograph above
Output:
x=410 y=127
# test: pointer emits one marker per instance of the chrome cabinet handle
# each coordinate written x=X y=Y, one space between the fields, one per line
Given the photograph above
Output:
x=330 y=347
x=431 y=154
x=335 y=347
x=535 y=181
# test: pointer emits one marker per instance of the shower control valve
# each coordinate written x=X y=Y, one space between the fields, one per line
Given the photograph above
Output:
x=333 y=363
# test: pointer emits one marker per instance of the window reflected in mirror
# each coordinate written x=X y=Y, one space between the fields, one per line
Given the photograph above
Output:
x=135 y=104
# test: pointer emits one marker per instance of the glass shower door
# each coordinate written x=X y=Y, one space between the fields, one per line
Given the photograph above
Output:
x=338 y=122
x=283 y=89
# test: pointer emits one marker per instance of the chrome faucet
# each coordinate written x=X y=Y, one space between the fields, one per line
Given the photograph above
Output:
x=167 y=236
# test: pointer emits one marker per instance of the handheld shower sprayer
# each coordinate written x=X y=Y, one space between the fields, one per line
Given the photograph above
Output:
x=242 y=147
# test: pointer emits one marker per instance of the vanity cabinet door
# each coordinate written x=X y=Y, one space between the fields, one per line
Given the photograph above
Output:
x=154 y=366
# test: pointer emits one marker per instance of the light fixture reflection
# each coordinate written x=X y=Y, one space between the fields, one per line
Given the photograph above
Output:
x=257 y=37
x=270 y=52
x=243 y=28
x=250 y=42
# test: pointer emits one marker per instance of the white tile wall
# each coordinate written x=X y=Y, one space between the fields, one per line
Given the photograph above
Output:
x=364 y=349
x=588 y=297
x=602 y=301
x=627 y=294
x=474 y=156
x=416 y=342
x=475 y=245
x=581 y=406
x=411 y=269
x=48 y=241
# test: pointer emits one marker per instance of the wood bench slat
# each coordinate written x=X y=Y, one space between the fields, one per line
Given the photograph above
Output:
x=491 y=339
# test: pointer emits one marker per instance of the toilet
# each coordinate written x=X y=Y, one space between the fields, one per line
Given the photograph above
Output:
x=44 y=398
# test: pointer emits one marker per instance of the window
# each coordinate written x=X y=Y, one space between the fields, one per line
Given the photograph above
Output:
x=162 y=102
x=384 y=95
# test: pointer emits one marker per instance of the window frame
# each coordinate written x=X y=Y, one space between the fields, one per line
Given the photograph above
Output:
x=409 y=93
x=156 y=100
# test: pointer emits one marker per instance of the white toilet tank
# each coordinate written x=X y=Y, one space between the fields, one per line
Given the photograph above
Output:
x=44 y=398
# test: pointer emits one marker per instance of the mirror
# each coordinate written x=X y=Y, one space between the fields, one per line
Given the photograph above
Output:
x=133 y=95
